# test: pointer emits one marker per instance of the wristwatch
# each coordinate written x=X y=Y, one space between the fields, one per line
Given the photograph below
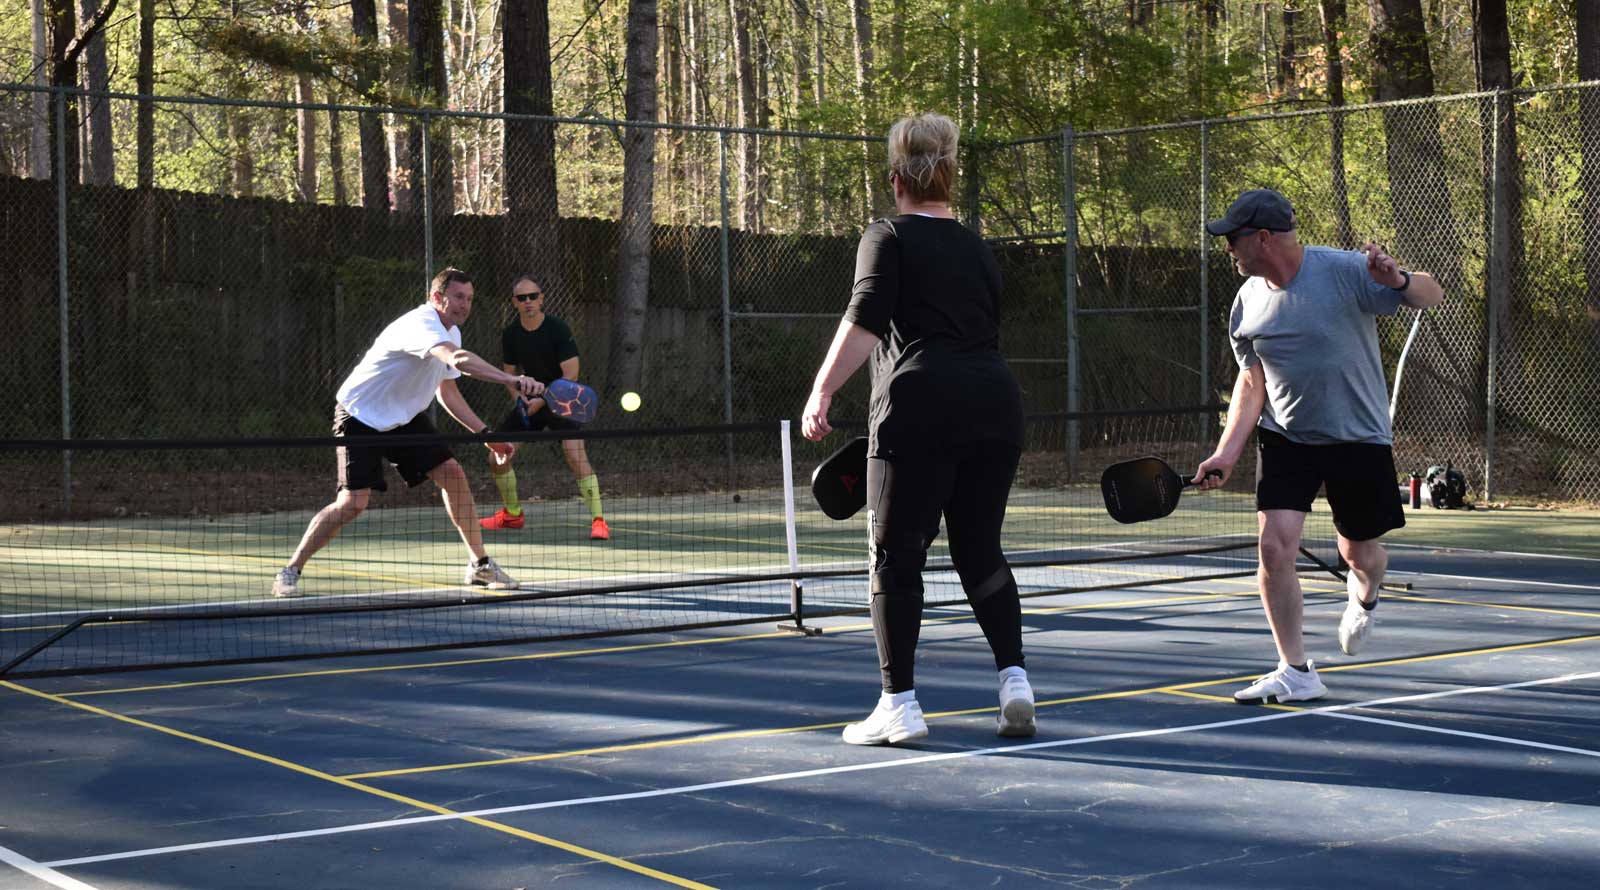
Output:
x=1407 y=281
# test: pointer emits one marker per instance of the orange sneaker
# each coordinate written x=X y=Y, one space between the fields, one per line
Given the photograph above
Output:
x=599 y=531
x=501 y=519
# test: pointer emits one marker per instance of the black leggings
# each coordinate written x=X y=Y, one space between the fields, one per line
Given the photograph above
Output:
x=969 y=485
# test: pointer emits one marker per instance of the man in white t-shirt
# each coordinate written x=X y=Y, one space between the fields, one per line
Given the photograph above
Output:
x=416 y=359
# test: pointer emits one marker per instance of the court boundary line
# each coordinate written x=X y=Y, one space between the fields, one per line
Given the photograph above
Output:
x=829 y=771
x=41 y=871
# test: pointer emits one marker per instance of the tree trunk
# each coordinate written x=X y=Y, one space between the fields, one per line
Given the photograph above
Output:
x=800 y=43
x=428 y=81
x=336 y=158
x=100 y=166
x=244 y=163
x=1333 y=25
x=626 y=360
x=400 y=129
x=821 y=80
x=1288 y=84
x=1502 y=181
x=305 y=119
x=864 y=87
x=63 y=73
x=749 y=116
x=1440 y=379
x=39 y=134
x=532 y=201
x=1588 y=22
x=374 y=150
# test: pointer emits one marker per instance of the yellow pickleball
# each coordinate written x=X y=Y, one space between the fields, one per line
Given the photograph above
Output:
x=630 y=401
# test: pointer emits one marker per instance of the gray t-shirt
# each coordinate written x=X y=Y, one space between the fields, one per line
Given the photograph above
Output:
x=1317 y=342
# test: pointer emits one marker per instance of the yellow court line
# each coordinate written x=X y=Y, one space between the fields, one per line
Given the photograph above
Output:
x=368 y=789
x=1413 y=598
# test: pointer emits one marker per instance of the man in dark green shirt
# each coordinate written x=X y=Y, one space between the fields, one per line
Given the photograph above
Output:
x=541 y=345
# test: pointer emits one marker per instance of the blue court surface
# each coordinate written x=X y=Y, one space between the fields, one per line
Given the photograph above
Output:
x=1461 y=748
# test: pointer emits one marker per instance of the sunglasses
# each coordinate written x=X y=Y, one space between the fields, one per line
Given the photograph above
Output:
x=1234 y=236
x=522 y=298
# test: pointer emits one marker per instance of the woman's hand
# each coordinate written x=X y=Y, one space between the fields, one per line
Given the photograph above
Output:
x=814 y=422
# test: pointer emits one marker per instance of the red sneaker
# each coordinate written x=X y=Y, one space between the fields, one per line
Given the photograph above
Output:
x=501 y=519
x=599 y=531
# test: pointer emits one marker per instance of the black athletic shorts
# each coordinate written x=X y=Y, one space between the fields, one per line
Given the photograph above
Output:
x=362 y=467
x=1359 y=476
x=543 y=419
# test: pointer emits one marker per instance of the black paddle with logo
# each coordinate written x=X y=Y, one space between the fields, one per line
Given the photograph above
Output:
x=1142 y=489
x=840 y=483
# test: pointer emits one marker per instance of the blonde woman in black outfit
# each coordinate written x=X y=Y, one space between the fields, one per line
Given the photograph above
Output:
x=945 y=423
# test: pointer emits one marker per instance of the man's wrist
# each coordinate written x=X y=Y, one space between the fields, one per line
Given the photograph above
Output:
x=1403 y=284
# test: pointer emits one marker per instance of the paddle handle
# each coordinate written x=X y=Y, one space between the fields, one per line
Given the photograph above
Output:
x=1189 y=481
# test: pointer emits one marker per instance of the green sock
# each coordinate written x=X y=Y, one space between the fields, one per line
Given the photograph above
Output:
x=589 y=487
x=507 y=483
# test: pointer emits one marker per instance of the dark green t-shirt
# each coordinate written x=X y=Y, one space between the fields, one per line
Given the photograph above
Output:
x=538 y=353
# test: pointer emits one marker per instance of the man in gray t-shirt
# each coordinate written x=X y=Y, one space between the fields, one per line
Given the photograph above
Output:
x=1310 y=373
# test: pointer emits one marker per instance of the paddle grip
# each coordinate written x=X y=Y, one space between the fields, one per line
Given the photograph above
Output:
x=1209 y=473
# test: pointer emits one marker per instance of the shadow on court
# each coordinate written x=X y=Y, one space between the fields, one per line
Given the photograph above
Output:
x=1460 y=749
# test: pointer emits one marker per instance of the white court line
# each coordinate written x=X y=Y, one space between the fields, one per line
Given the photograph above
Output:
x=805 y=774
x=42 y=872
x=1491 y=552
x=1506 y=740
x=1427 y=574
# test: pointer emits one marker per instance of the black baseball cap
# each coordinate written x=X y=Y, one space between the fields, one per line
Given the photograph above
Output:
x=1255 y=209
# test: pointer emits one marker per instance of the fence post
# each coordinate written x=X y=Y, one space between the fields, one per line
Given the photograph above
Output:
x=1205 y=267
x=1069 y=210
x=427 y=199
x=727 y=301
x=61 y=285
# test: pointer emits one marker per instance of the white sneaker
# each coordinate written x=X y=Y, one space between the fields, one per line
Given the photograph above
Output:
x=490 y=575
x=1283 y=685
x=888 y=725
x=286 y=583
x=1354 y=626
x=1016 y=708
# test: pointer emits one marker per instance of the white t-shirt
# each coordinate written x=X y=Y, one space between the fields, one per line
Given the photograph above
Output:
x=397 y=377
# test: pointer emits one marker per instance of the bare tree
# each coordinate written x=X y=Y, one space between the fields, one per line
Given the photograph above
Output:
x=632 y=305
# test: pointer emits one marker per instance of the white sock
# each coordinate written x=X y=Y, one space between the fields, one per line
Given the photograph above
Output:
x=1013 y=671
x=895 y=700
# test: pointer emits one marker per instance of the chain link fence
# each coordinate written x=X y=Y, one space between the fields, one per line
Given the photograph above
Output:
x=232 y=295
